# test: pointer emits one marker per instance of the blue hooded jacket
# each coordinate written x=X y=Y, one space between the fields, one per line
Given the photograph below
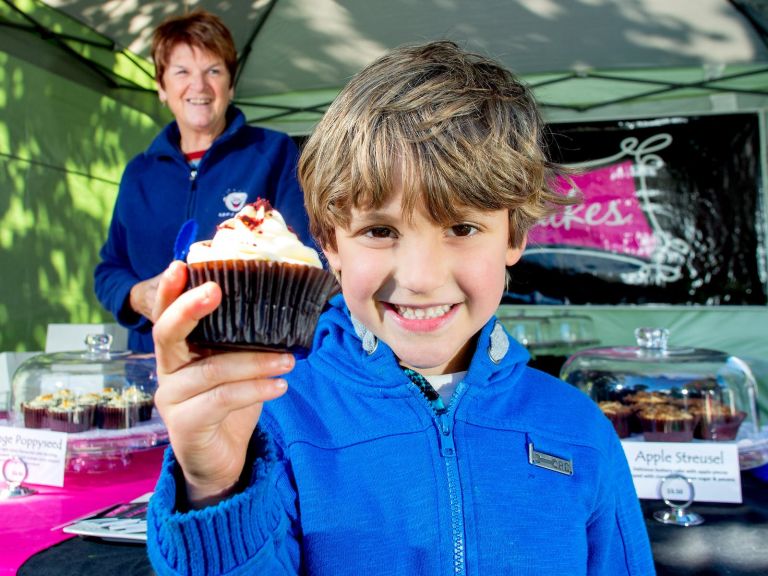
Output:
x=359 y=475
x=159 y=192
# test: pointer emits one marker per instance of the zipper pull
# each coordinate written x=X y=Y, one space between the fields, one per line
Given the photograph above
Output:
x=445 y=439
x=192 y=175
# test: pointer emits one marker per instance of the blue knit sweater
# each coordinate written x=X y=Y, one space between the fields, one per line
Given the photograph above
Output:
x=358 y=475
x=159 y=192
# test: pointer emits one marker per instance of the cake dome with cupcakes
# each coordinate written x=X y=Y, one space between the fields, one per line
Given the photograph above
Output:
x=658 y=393
x=103 y=399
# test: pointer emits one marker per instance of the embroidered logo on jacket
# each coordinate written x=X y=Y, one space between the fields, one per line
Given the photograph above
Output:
x=234 y=201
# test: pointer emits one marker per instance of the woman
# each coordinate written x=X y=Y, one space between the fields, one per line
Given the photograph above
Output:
x=205 y=166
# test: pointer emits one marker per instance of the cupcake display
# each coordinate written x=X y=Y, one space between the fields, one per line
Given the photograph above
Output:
x=65 y=411
x=273 y=287
x=659 y=393
x=102 y=399
x=663 y=417
x=660 y=417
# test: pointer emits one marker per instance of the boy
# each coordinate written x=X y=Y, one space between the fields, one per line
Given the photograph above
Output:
x=413 y=439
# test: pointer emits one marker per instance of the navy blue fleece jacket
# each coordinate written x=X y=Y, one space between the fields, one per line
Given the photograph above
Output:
x=357 y=474
x=159 y=192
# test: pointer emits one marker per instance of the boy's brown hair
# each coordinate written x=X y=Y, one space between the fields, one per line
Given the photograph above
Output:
x=458 y=128
x=199 y=29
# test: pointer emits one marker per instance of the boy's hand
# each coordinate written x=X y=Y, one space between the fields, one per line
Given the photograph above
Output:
x=210 y=402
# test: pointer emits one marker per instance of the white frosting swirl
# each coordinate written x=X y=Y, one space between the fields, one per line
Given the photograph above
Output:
x=257 y=232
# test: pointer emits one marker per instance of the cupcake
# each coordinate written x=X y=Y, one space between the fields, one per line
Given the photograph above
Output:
x=619 y=415
x=273 y=287
x=717 y=421
x=644 y=399
x=117 y=413
x=63 y=395
x=36 y=411
x=640 y=401
x=667 y=423
x=108 y=393
x=89 y=401
x=69 y=416
x=141 y=401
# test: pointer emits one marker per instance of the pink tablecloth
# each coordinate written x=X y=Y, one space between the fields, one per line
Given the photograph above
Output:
x=33 y=523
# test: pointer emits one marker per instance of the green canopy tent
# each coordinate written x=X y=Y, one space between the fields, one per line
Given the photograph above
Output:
x=78 y=97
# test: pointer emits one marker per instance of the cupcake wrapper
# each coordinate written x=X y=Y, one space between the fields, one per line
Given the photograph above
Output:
x=144 y=411
x=71 y=422
x=264 y=304
x=719 y=428
x=657 y=430
x=35 y=417
x=117 y=418
x=620 y=424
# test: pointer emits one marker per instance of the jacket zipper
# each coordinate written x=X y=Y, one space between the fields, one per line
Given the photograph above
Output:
x=192 y=190
x=447 y=449
x=448 y=452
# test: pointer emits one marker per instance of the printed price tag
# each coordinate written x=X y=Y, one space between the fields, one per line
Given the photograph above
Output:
x=676 y=490
x=712 y=468
x=33 y=456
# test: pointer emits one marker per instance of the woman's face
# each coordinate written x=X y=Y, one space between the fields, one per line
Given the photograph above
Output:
x=196 y=87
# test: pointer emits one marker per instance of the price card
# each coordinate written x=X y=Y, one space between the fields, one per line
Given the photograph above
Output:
x=712 y=467
x=33 y=456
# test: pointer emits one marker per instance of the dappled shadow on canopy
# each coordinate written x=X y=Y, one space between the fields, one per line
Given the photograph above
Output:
x=62 y=150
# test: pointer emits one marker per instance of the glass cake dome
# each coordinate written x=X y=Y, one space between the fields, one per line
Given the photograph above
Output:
x=102 y=398
x=549 y=338
x=666 y=394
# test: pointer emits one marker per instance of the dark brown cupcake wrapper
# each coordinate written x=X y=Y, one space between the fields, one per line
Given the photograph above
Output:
x=35 y=417
x=267 y=305
x=723 y=427
x=668 y=430
x=117 y=417
x=78 y=420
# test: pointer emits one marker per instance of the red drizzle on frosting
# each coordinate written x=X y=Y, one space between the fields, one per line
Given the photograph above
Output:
x=251 y=223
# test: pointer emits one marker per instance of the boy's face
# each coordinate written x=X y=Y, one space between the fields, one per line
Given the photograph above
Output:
x=423 y=288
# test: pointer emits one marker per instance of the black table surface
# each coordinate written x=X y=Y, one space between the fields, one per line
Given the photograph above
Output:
x=732 y=541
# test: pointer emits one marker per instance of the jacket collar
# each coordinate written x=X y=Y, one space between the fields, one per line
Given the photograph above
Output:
x=345 y=345
x=166 y=143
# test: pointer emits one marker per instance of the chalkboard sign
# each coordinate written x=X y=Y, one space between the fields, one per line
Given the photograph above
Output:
x=673 y=213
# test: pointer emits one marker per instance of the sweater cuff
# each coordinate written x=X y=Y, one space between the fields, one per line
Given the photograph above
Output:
x=226 y=538
x=128 y=317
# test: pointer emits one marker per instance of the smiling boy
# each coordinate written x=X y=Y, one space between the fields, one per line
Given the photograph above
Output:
x=413 y=439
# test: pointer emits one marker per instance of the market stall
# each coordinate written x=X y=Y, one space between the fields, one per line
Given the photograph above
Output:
x=661 y=107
